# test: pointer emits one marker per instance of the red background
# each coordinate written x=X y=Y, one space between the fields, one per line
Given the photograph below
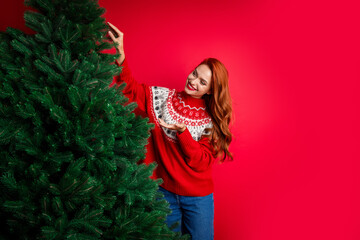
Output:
x=294 y=78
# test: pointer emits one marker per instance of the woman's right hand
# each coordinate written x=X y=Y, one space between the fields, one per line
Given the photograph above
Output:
x=119 y=40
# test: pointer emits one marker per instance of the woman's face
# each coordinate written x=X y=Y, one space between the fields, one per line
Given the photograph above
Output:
x=198 y=82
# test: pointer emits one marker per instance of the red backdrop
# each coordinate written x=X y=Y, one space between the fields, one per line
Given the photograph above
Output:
x=294 y=78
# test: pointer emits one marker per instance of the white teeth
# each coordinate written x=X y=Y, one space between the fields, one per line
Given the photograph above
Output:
x=191 y=87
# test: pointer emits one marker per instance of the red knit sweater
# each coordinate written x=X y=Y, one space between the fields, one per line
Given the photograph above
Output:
x=184 y=159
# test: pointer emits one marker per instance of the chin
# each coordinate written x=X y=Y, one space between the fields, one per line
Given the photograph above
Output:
x=188 y=91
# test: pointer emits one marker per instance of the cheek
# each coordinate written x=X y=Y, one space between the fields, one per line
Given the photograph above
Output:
x=204 y=88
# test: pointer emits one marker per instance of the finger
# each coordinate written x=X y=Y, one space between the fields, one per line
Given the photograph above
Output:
x=115 y=29
x=112 y=36
x=165 y=125
x=180 y=125
x=171 y=127
x=162 y=123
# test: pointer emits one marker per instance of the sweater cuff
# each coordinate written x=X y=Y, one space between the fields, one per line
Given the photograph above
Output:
x=125 y=71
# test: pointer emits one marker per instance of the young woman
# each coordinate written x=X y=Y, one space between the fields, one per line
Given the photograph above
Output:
x=191 y=131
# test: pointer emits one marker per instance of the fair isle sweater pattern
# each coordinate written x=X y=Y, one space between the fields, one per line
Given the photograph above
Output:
x=169 y=106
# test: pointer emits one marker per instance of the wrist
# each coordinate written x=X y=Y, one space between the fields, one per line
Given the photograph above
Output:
x=121 y=59
x=182 y=129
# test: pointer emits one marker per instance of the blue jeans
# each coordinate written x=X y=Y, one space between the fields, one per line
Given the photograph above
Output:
x=195 y=215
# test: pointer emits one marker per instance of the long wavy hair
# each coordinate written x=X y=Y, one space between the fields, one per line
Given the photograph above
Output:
x=219 y=106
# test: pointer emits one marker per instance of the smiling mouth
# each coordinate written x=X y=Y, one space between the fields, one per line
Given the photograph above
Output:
x=190 y=87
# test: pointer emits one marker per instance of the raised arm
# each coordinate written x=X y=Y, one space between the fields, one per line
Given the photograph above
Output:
x=118 y=37
x=135 y=91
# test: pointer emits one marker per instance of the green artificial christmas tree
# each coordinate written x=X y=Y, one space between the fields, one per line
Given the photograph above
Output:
x=70 y=144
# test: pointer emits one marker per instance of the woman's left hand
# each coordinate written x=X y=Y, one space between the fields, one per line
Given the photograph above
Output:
x=181 y=127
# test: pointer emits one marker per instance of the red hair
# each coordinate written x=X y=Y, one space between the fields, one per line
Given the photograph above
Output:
x=219 y=105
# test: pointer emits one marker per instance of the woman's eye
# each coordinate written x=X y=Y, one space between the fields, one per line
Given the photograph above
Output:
x=193 y=73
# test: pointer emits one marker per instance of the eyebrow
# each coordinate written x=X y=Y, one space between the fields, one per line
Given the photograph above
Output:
x=201 y=78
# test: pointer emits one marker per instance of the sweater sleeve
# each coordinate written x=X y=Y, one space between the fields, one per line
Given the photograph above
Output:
x=135 y=91
x=199 y=155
